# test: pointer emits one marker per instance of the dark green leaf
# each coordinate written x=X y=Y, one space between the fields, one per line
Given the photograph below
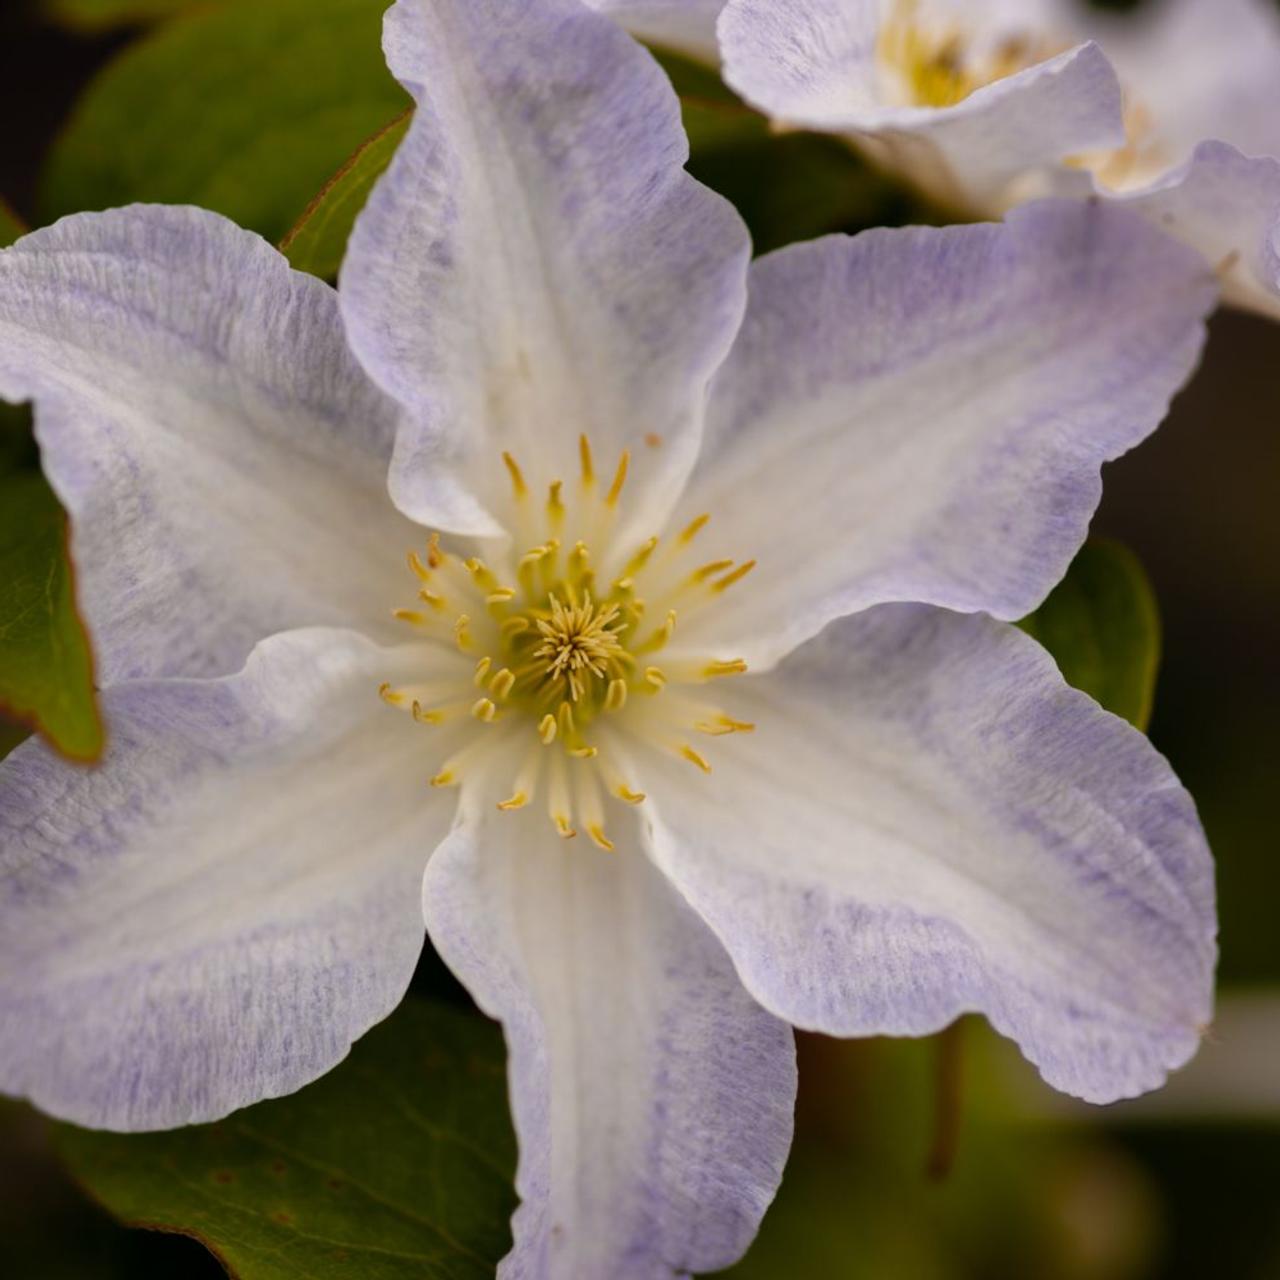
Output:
x=103 y=15
x=246 y=108
x=46 y=672
x=319 y=239
x=1103 y=628
x=397 y=1165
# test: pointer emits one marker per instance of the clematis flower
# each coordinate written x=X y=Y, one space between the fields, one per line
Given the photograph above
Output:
x=984 y=103
x=672 y=654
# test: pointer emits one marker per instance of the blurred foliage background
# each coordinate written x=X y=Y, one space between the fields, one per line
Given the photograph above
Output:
x=940 y=1159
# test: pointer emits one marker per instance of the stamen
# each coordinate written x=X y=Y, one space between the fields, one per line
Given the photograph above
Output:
x=482 y=670
x=435 y=557
x=427 y=717
x=654 y=676
x=734 y=667
x=518 y=486
x=555 y=505
x=710 y=570
x=596 y=832
x=517 y=801
x=415 y=563
x=547 y=729
x=430 y=597
x=693 y=528
x=736 y=576
x=722 y=725
x=462 y=633
x=502 y=684
x=688 y=753
x=411 y=616
x=616 y=698
x=484 y=710
x=584 y=457
x=619 y=479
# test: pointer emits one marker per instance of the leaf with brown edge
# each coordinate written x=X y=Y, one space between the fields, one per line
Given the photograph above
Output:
x=46 y=666
x=397 y=1165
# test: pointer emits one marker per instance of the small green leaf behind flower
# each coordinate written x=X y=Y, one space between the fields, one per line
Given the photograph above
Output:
x=398 y=1165
x=318 y=239
x=243 y=107
x=1102 y=626
x=46 y=669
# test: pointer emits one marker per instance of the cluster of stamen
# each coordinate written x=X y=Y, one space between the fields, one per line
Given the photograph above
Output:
x=573 y=659
x=938 y=64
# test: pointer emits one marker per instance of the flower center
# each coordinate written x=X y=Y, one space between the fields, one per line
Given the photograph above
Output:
x=939 y=64
x=575 y=657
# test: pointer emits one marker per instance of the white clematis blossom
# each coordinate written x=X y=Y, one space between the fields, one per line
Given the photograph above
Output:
x=985 y=103
x=709 y=751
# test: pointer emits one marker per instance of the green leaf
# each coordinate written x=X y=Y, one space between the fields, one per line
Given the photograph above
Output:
x=246 y=108
x=10 y=225
x=91 y=16
x=319 y=238
x=398 y=1165
x=46 y=671
x=1102 y=626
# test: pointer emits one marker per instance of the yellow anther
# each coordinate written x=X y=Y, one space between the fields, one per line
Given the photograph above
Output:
x=579 y=557
x=547 y=729
x=426 y=717
x=631 y=797
x=619 y=479
x=518 y=486
x=435 y=557
x=415 y=563
x=584 y=456
x=411 y=616
x=734 y=667
x=430 y=597
x=654 y=676
x=517 y=801
x=482 y=575
x=462 y=632
x=502 y=684
x=722 y=725
x=555 y=503
x=390 y=695
x=736 y=576
x=693 y=528
x=660 y=637
x=689 y=754
x=616 y=697
x=596 y=832
x=482 y=671
x=483 y=709
x=709 y=570
x=583 y=753
x=564 y=716
x=512 y=627
x=445 y=778
x=500 y=596
x=563 y=826
x=639 y=560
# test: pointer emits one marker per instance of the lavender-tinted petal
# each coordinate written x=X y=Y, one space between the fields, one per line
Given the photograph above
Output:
x=652 y=1096
x=536 y=264
x=927 y=411
x=927 y=821
x=214 y=914
x=221 y=454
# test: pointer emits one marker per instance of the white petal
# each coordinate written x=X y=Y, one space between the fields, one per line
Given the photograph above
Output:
x=214 y=914
x=652 y=1096
x=921 y=414
x=1227 y=206
x=536 y=264
x=221 y=454
x=687 y=26
x=816 y=63
x=1201 y=69
x=928 y=821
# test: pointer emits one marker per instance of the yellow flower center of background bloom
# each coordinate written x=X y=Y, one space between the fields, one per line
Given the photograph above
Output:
x=574 y=658
x=938 y=65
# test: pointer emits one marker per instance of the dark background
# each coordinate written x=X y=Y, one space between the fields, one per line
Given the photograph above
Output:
x=1189 y=1195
